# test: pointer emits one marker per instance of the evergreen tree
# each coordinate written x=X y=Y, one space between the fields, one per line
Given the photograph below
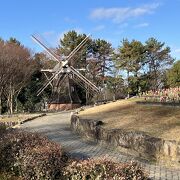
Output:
x=68 y=43
x=173 y=75
x=130 y=57
x=158 y=58
x=102 y=51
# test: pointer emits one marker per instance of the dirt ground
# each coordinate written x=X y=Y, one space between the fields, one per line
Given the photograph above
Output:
x=157 y=121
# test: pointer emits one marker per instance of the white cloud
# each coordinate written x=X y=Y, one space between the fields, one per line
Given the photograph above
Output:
x=118 y=15
x=98 y=28
x=177 y=50
x=141 y=25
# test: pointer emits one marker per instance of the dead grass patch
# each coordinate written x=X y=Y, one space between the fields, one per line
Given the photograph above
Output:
x=17 y=117
x=158 y=121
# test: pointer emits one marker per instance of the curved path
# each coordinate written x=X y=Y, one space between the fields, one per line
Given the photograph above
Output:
x=56 y=127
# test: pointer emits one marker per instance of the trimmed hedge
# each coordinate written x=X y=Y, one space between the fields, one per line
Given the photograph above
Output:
x=29 y=156
x=103 y=169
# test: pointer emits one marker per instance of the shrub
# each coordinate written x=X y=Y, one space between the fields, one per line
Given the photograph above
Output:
x=103 y=169
x=30 y=155
x=2 y=129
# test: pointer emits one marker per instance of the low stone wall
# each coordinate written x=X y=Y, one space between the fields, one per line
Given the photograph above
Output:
x=141 y=144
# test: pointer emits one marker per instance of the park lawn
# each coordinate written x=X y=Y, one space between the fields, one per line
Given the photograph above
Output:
x=17 y=117
x=157 y=121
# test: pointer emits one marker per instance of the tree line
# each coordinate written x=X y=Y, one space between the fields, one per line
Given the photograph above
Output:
x=130 y=69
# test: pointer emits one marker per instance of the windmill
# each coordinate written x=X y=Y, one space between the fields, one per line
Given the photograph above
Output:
x=63 y=80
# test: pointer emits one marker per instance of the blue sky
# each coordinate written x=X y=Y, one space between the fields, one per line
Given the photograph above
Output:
x=111 y=20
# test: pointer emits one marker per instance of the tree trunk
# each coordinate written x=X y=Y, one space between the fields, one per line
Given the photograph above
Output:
x=16 y=100
x=114 y=97
x=11 y=105
x=87 y=96
x=128 y=84
x=0 y=104
x=16 y=105
x=10 y=101
x=137 y=84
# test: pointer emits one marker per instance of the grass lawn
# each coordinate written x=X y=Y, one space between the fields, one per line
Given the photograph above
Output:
x=17 y=117
x=157 y=121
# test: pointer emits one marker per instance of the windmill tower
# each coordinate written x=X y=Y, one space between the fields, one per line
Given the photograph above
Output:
x=63 y=80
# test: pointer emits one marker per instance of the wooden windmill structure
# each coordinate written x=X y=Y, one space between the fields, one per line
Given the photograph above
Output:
x=64 y=79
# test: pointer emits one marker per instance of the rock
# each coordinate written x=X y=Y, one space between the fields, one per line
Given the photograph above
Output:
x=149 y=147
x=170 y=148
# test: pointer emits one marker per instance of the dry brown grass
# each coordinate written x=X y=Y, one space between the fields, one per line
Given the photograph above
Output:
x=17 y=117
x=159 y=121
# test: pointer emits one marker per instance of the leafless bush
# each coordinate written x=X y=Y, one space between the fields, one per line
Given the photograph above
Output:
x=30 y=155
x=103 y=169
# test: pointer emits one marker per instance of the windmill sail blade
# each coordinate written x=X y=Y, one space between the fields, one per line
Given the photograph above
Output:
x=56 y=67
x=49 y=81
x=64 y=63
x=78 y=48
x=79 y=82
x=86 y=82
x=47 y=78
x=51 y=53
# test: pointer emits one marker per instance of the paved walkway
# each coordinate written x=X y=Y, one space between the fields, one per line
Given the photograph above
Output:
x=57 y=128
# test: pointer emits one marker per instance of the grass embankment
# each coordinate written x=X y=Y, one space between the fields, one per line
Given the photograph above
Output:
x=17 y=117
x=158 y=121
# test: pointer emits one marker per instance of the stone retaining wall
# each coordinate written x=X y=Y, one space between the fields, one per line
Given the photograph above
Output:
x=140 y=143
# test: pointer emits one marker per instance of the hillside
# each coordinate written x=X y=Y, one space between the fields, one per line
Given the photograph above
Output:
x=159 y=121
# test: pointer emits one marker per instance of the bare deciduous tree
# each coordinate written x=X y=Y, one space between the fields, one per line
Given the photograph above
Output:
x=16 y=67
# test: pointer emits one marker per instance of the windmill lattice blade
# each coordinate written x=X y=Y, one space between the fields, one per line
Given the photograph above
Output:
x=47 y=78
x=48 y=82
x=51 y=53
x=64 y=63
x=82 y=85
x=78 y=48
x=84 y=80
x=56 y=67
